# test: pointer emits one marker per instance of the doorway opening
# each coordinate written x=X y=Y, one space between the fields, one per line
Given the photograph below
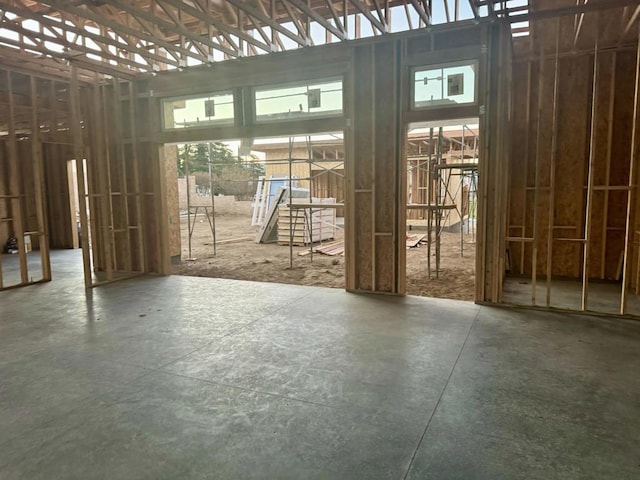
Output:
x=48 y=212
x=442 y=206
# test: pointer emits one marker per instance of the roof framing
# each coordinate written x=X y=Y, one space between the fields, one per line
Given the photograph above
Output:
x=126 y=38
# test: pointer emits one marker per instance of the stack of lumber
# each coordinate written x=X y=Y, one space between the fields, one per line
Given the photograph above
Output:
x=305 y=222
x=332 y=249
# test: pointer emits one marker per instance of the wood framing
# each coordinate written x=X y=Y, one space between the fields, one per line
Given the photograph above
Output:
x=581 y=187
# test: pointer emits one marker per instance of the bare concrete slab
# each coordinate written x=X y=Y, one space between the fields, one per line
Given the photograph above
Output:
x=182 y=378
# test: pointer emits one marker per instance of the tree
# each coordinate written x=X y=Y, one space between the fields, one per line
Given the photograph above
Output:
x=230 y=174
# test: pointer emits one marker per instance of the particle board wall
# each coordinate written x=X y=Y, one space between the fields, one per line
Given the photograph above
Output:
x=532 y=154
x=171 y=173
x=493 y=170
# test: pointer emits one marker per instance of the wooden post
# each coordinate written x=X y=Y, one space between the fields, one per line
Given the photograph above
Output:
x=629 y=232
x=536 y=190
x=135 y=164
x=526 y=167
x=102 y=244
x=373 y=160
x=124 y=189
x=38 y=182
x=78 y=149
x=592 y=155
x=605 y=222
x=552 y=166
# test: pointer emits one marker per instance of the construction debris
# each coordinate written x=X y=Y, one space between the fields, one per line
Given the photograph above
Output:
x=414 y=240
x=332 y=249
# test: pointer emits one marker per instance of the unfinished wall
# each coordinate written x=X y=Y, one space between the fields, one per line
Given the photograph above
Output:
x=377 y=108
x=550 y=160
x=573 y=212
x=22 y=204
x=60 y=218
x=176 y=199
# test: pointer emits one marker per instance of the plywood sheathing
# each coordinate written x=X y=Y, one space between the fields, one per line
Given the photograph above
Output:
x=611 y=166
x=171 y=173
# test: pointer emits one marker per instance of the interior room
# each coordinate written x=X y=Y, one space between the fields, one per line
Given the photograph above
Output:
x=322 y=239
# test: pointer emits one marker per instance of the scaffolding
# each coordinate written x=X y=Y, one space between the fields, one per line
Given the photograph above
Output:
x=193 y=210
x=438 y=198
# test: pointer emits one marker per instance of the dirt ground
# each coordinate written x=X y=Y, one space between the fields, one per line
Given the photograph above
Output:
x=239 y=257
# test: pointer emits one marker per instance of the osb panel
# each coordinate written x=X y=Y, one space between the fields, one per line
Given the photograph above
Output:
x=621 y=151
x=571 y=162
x=544 y=137
x=519 y=170
x=385 y=273
x=601 y=165
x=574 y=113
x=171 y=173
x=149 y=163
x=603 y=117
x=595 y=236
x=386 y=146
x=363 y=241
x=362 y=114
x=608 y=23
x=363 y=137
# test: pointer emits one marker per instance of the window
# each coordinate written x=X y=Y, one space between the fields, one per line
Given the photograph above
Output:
x=313 y=99
x=444 y=86
x=190 y=112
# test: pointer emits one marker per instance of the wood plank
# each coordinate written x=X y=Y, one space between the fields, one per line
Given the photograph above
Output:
x=267 y=232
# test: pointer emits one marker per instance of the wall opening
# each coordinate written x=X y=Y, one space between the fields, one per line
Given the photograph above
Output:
x=442 y=205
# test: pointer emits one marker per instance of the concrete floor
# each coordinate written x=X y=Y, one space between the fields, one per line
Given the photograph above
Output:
x=180 y=378
x=567 y=295
x=11 y=267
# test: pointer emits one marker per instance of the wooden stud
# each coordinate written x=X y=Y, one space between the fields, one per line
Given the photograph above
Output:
x=135 y=164
x=527 y=142
x=552 y=166
x=125 y=220
x=590 y=174
x=38 y=181
x=104 y=241
x=106 y=186
x=78 y=149
x=607 y=181
x=632 y=185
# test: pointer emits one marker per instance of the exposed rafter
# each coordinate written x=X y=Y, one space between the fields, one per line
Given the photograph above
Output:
x=129 y=37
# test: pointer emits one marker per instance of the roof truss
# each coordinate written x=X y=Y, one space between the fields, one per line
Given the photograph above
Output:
x=125 y=38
